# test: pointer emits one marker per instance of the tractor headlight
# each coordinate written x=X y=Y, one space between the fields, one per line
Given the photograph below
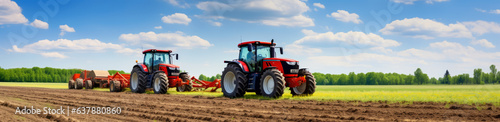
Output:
x=291 y=63
x=171 y=68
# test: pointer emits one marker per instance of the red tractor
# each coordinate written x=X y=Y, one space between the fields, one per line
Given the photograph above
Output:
x=258 y=70
x=158 y=72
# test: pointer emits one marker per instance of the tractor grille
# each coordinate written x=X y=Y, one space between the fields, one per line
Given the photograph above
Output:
x=287 y=68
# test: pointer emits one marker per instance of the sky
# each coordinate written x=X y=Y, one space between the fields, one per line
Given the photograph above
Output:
x=327 y=36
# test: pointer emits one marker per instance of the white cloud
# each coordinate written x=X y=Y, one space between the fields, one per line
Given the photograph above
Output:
x=425 y=28
x=158 y=27
x=65 y=28
x=483 y=42
x=177 y=18
x=10 y=13
x=411 y=1
x=330 y=38
x=344 y=16
x=268 y=12
x=40 y=24
x=497 y=11
x=176 y=3
x=177 y=39
x=481 y=27
x=319 y=5
x=49 y=48
x=214 y=23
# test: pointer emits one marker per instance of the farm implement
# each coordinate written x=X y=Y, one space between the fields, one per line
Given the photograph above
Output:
x=157 y=72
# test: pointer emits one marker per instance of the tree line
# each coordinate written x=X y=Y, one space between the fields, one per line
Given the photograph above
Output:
x=37 y=74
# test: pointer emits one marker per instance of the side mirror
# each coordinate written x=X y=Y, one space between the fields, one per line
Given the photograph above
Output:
x=176 y=56
x=249 y=47
x=281 y=50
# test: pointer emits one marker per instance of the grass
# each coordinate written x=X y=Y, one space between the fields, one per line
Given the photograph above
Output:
x=460 y=94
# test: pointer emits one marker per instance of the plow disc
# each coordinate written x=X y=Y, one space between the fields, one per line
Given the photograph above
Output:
x=201 y=84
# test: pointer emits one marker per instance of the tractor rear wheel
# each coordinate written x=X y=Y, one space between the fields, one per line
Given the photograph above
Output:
x=115 y=86
x=160 y=84
x=185 y=88
x=233 y=81
x=272 y=83
x=79 y=83
x=88 y=84
x=71 y=84
x=137 y=81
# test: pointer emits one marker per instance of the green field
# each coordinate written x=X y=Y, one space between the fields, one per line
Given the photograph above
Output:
x=460 y=94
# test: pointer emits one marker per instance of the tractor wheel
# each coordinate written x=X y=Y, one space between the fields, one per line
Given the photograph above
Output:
x=233 y=81
x=71 y=84
x=137 y=81
x=160 y=84
x=79 y=83
x=115 y=86
x=88 y=84
x=272 y=83
x=185 y=88
x=307 y=88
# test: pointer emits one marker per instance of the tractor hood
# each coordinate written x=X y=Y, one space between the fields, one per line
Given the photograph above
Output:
x=170 y=65
x=282 y=59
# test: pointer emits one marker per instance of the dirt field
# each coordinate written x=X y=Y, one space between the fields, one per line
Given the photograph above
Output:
x=141 y=107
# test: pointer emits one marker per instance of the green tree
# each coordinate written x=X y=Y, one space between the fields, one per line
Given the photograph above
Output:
x=202 y=77
x=343 y=79
x=419 y=76
x=478 y=76
x=352 y=78
x=446 y=78
x=361 y=79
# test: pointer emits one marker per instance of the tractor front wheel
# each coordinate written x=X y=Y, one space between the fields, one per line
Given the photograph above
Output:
x=185 y=88
x=307 y=88
x=160 y=84
x=137 y=81
x=79 y=83
x=233 y=81
x=272 y=83
x=71 y=84
x=88 y=84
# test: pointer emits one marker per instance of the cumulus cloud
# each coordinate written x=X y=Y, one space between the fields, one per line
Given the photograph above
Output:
x=425 y=29
x=411 y=1
x=10 y=13
x=483 y=42
x=40 y=24
x=176 y=18
x=481 y=27
x=177 y=39
x=330 y=38
x=50 y=48
x=268 y=12
x=179 y=4
x=319 y=5
x=158 y=27
x=344 y=16
x=496 y=11
x=65 y=28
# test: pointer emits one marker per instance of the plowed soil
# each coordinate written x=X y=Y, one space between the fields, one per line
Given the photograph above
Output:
x=165 y=107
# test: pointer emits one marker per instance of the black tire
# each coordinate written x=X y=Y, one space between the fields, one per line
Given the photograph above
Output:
x=140 y=85
x=235 y=88
x=160 y=83
x=185 y=88
x=310 y=85
x=79 y=83
x=279 y=83
x=115 y=86
x=71 y=84
x=88 y=84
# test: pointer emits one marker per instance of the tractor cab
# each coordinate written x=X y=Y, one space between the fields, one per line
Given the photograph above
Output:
x=161 y=60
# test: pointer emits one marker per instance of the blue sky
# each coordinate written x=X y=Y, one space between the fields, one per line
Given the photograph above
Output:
x=324 y=35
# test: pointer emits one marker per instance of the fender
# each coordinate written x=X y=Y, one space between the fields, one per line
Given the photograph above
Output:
x=242 y=64
x=268 y=68
x=143 y=67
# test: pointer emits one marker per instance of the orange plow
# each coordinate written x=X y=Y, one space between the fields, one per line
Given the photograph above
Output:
x=201 y=84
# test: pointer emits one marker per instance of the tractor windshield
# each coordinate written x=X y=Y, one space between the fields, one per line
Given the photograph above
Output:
x=263 y=52
x=161 y=58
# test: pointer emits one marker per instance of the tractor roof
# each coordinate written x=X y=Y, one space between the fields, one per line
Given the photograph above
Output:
x=255 y=43
x=155 y=50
